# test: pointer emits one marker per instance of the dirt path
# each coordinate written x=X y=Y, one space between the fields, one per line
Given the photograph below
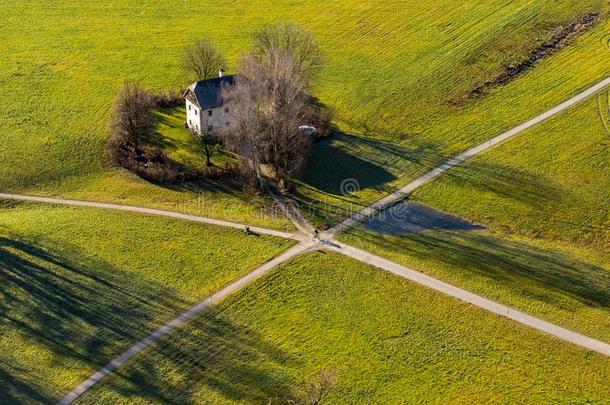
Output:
x=437 y=171
x=179 y=321
x=328 y=242
x=152 y=211
x=466 y=296
x=291 y=210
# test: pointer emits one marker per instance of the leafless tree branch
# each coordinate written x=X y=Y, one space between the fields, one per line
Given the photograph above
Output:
x=202 y=59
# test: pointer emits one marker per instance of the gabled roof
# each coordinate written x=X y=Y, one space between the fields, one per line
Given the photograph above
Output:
x=207 y=92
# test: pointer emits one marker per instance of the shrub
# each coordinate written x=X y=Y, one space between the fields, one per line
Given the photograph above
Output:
x=321 y=119
x=132 y=131
x=167 y=99
x=132 y=127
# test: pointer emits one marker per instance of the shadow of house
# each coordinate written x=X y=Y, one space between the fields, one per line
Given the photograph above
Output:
x=73 y=306
x=406 y=218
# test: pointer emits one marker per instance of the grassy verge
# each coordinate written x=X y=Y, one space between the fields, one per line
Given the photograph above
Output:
x=78 y=286
x=389 y=341
x=553 y=281
x=210 y=198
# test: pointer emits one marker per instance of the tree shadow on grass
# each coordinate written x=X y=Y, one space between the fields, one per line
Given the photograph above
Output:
x=165 y=142
x=507 y=263
x=330 y=165
x=510 y=182
x=81 y=309
x=369 y=161
x=212 y=354
x=16 y=387
x=86 y=311
x=343 y=164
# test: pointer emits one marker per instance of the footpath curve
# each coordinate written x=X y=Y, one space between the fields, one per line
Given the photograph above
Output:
x=153 y=211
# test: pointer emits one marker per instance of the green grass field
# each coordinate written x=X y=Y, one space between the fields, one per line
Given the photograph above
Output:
x=556 y=282
x=544 y=196
x=551 y=182
x=78 y=286
x=414 y=126
x=389 y=340
x=393 y=70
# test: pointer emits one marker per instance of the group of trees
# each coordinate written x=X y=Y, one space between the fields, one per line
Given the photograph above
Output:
x=270 y=102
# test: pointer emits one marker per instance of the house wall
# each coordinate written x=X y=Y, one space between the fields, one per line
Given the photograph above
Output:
x=193 y=116
x=217 y=119
x=201 y=120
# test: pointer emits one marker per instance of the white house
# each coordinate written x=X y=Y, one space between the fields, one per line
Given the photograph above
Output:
x=205 y=109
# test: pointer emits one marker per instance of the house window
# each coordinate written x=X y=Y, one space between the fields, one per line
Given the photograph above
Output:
x=189 y=107
x=195 y=112
x=190 y=123
x=227 y=110
x=210 y=128
x=209 y=113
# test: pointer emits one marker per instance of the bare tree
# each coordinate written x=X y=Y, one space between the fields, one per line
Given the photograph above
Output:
x=208 y=142
x=269 y=108
x=284 y=110
x=292 y=38
x=133 y=120
x=202 y=59
x=245 y=136
x=315 y=392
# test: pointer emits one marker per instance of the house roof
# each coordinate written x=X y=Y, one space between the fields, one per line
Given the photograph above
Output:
x=207 y=92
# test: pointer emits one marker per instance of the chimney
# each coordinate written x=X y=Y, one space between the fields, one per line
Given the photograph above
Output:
x=221 y=72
